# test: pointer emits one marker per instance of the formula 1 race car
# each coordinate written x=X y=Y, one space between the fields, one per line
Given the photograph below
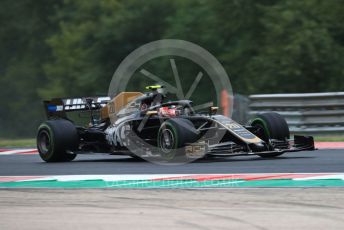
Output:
x=147 y=126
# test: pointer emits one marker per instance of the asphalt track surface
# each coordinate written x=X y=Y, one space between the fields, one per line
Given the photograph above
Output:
x=300 y=162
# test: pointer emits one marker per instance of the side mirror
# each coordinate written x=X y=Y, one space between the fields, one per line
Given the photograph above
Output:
x=213 y=110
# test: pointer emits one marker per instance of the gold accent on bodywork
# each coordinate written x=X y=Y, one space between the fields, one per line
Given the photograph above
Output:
x=254 y=140
x=229 y=127
x=152 y=112
x=117 y=103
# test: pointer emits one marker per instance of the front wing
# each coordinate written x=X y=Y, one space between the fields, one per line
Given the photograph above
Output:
x=299 y=143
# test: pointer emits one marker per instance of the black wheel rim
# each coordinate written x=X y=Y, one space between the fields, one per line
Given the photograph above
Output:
x=261 y=132
x=167 y=141
x=44 y=142
x=167 y=144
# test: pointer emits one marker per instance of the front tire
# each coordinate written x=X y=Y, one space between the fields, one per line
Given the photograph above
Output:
x=271 y=126
x=172 y=137
x=56 y=140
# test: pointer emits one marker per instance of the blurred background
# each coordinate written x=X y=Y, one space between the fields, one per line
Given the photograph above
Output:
x=56 y=48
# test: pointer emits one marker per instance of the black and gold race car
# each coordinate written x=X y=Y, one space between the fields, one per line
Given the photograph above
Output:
x=146 y=125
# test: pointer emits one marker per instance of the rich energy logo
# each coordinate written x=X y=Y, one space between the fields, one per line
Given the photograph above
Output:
x=79 y=103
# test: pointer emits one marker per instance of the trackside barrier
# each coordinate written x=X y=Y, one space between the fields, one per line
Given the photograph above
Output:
x=306 y=113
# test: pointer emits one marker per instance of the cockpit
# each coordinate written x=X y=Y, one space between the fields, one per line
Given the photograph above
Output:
x=127 y=103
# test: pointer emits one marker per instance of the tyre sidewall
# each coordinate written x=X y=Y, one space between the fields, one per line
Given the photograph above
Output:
x=63 y=137
x=274 y=127
x=183 y=131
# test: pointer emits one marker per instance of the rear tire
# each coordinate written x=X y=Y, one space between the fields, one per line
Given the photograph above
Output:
x=271 y=126
x=56 y=139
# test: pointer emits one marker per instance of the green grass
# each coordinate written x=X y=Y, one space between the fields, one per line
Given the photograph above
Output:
x=30 y=142
x=329 y=138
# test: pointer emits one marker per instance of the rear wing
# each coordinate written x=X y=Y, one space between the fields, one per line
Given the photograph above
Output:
x=58 y=107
